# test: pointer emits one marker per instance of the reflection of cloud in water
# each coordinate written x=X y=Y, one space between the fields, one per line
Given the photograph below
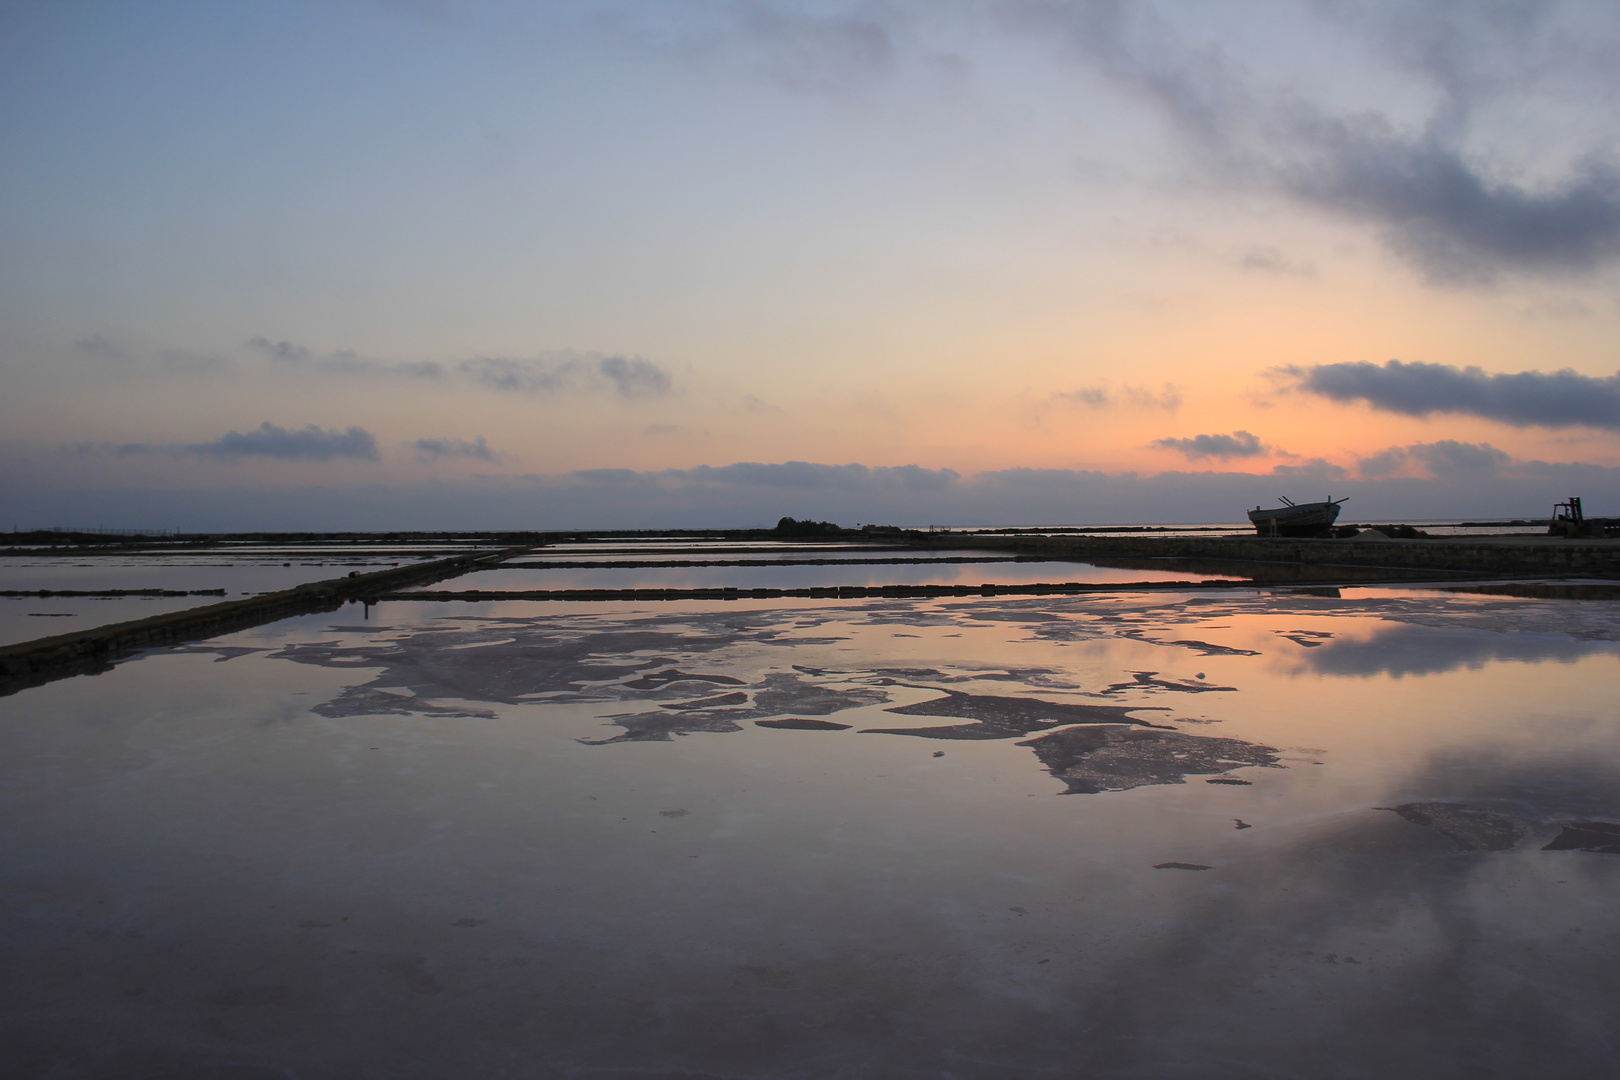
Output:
x=997 y=717
x=1466 y=959
x=1367 y=925
x=1469 y=828
x=940 y=924
x=1414 y=650
x=1111 y=758
x=713 y=672
x=652 y=661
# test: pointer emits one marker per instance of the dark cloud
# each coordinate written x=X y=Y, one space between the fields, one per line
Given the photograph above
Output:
x=440 y=449
x=1384 y=463
x=1527 y=399
x=309 y=443
x=1446 y=459
x=1446 y=215
x=629 y=377
x=1239 y=444
x=1447 y=209
x=1449 y=458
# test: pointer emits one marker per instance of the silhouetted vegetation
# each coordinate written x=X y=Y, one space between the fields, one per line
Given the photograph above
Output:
x=793 y=527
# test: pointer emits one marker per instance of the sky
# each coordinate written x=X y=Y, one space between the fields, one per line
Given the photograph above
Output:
x=553 y=265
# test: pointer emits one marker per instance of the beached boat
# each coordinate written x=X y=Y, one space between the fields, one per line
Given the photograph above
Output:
x=1296 y=519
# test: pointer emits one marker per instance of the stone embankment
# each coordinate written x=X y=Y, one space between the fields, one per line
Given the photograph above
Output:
x=824 y=592
x=33 y=663
x=1528 y=556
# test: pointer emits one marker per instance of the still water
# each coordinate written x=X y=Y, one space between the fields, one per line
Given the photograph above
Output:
x=232 y=570
x=1239 y=834
x=762 y=574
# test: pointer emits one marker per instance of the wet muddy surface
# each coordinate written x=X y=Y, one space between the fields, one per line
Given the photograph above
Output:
x=1247 y=834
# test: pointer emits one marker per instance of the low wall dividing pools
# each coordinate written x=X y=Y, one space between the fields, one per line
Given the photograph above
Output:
x=1532 y=556
x=85 y=652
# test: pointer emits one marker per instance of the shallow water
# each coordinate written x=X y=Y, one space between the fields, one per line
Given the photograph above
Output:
x=801 y=577
x=27 y=618
x=233 y=572
x=1115 y=836
x=238 y=570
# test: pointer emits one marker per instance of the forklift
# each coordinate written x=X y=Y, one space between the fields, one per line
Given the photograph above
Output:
x=1569 y=522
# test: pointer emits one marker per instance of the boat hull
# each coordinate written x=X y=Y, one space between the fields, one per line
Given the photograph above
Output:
x=1306 y=519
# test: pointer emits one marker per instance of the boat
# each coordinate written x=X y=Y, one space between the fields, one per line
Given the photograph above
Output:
x=1296 y=519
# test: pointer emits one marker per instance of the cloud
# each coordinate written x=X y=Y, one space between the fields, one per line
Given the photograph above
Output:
x=1267 y=260
x=801 y=51
x=101 y=347
x=629 y=377
x=342 y=362
x=1449 y=458
x=607 y=476
x=1527 y=399
x=1382 y=464
x=1445 y=459
x=826 y=53
x=440 y=449
x=809 y=476
x=757 y=494
x=1404 y=650
x=1316 y=469
x=309 y=443
x=1134 y=397
x=564 y=371
x=1095 y=396
x=634 y=377
x=1450 y=210
x=1448 y=218
x=1239 y=444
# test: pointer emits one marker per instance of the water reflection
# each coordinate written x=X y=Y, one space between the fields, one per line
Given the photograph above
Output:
x=1412 y=650
x=847 y=572
x=779 y=840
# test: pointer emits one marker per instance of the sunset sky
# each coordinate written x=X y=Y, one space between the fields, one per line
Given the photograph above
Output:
x=567 y=265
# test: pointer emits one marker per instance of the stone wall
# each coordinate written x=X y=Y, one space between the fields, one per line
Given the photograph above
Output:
x=32 y=663
x=1552 y=557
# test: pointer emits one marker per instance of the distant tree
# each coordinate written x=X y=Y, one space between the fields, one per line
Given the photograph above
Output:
x=794 y=527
